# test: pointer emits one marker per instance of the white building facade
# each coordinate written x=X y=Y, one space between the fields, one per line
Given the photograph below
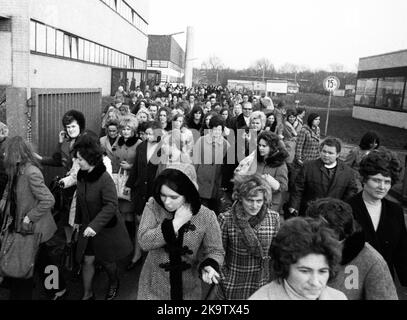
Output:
x=69 y=44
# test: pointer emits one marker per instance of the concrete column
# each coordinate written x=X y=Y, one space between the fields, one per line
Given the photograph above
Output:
x=18 y=92
x=189 y=56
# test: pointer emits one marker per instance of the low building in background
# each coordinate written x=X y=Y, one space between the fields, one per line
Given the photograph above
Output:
x=166 y=56
x=381 y=93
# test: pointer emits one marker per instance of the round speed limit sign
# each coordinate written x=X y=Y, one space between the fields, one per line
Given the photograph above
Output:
x=331 y=83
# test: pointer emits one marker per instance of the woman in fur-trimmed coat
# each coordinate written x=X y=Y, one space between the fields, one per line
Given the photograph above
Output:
x=269 y=161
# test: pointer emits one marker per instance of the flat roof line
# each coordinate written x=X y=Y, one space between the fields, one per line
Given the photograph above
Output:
x=383 y=54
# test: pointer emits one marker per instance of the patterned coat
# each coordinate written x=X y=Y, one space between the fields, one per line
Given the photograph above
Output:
x=307 y=147
x=242 y=272
x=203 y=240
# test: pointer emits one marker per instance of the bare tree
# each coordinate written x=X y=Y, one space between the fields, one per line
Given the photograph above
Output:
x=214 y=64
x=264 y=65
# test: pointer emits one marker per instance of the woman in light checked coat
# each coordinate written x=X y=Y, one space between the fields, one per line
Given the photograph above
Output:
x=182 y=237
x=248 y=230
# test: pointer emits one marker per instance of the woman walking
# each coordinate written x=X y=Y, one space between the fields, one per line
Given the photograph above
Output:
x=248 y=230
x=29 y=203
x=102 y=233
x=182 y=237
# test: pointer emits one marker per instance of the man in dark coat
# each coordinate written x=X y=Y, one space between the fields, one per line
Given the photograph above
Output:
x=382 y=220
x=324 y=177
x=243 y=119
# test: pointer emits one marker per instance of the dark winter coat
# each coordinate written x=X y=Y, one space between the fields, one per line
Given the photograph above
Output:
x=390 y=238
x=97 y=208
x=141 y=178
x=312 y=183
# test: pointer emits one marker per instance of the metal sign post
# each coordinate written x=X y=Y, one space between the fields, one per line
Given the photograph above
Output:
x=327 y=114
x=331 y=83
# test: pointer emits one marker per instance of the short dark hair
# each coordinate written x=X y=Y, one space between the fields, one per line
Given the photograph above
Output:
x=381 y=161
x=88 y=147
x=332 y=142
x=300 y=110
x=368 y=139
x=112 y=122
x=337 y=213
x=215 y=121
x=181 y=184
x=74 y=115
x=299 y=237
x=290 y=112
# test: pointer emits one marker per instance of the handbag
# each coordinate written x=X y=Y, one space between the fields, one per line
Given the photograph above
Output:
x=18 y=252
x=120 y=180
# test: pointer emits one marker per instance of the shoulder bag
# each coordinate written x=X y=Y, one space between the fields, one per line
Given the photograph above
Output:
x=18 y=250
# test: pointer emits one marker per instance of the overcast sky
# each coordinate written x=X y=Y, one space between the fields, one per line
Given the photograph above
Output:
x=314 y=33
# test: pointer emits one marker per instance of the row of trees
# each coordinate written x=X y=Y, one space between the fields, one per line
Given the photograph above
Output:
x=214 y=71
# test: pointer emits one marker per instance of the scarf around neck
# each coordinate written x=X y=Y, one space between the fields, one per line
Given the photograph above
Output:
x=246 y=224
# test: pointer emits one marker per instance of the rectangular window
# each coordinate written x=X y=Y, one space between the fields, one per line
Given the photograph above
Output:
x=101 y=55
x=108 y=57
x=67 y=46
x=41 y=38
x=92 y=52
x=97 y=53
x=74 y=48
x=365 y=92
x=112 y=4
x=60 y=43
x=389 y=92
x=119 y=4
x=105 y=60
x=405 y=97
x=50 y=40
x=80 y=49
x=32 y=35
x=113 y=53
x=86 y=51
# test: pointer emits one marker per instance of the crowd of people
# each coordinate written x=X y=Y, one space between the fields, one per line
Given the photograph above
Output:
x=217 y=194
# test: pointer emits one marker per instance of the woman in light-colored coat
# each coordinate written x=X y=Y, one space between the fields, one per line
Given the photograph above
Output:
x=183 y=239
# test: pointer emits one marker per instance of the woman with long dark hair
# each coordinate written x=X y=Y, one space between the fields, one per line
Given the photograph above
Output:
x=28 y=203
x=268 y=160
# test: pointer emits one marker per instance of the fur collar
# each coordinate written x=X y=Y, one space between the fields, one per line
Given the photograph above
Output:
x=277 y=158
x=352 y=247
x=129 y=143
x=92 y=176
